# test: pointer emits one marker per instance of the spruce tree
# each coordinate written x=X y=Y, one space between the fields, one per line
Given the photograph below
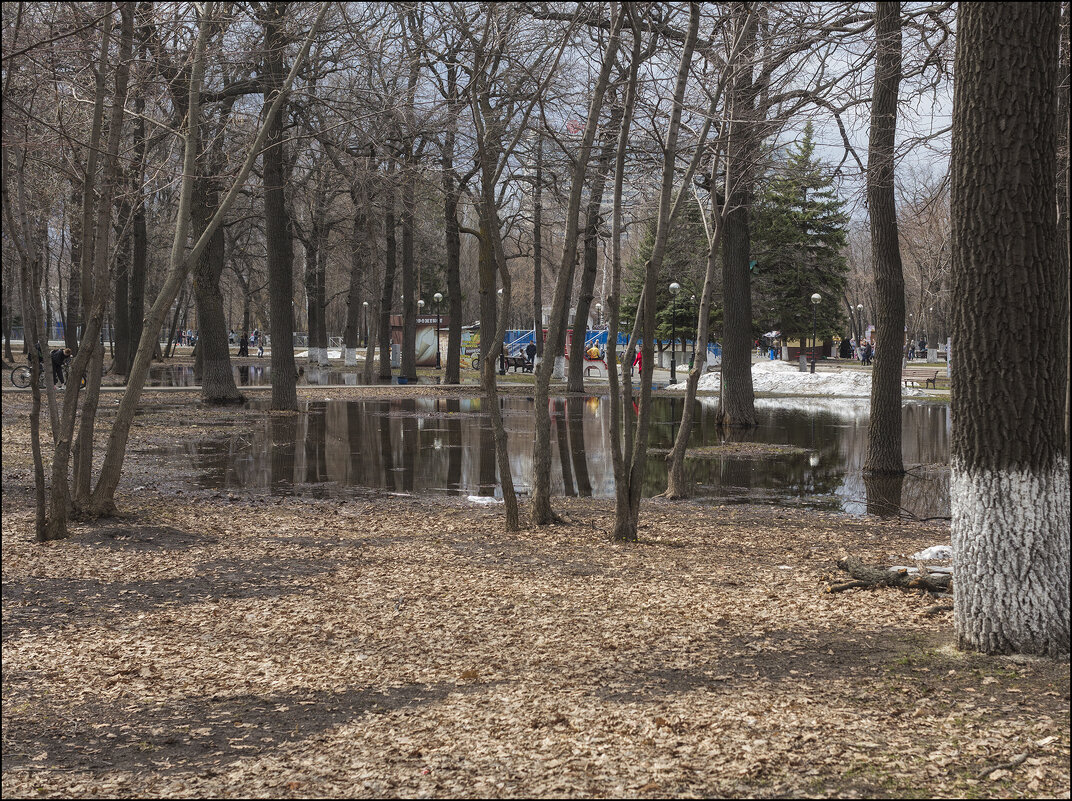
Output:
x=799 y=238
x=684 y=262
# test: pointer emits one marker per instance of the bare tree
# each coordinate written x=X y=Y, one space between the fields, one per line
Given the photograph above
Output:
x=1010 y=482
x=884 y=425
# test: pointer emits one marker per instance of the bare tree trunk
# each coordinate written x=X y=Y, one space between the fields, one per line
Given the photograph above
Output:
x=541 y=510
x=361 y=248
x=103 y=500
x=409 y=278
x=1063 y=243
x=453 y=269
x=575 y=376
x=214 y=352
x=884 y=426
x=389 y=265
x=121 y=284
x=490 y=320
x=620 y=398
x=627 y=507
x=1010 y=483
x=537 y=248
x=452 y=235
x=98 y=287
x=277 y=223
x=74 y=295
x=737 y=407
x=676 y=484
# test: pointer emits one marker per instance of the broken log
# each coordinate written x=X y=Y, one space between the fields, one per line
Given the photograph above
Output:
x=871 y=577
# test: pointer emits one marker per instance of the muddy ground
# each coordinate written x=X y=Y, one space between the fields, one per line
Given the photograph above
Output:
x=218 y=644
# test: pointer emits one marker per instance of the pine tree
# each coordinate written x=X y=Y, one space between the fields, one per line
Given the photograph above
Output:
x=799 y=239
x=684 y=262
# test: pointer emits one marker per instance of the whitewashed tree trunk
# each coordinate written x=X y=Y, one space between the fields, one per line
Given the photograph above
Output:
x=350 y=357
x=1010 y=493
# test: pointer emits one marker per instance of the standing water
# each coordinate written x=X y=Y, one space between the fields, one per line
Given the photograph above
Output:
x=445 y=445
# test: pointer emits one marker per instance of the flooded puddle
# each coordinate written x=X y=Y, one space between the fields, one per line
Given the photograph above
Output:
x=445 y=445
x=257 y=375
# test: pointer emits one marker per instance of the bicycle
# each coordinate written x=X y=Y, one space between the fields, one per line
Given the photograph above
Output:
x=22 y=374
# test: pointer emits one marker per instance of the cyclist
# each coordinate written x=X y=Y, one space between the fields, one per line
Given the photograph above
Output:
x=59 y=358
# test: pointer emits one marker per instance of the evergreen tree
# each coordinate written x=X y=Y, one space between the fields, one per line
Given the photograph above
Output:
x=685 y=262
x=798 y=244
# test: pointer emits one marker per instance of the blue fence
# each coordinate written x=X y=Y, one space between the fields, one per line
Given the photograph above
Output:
x=517 y=339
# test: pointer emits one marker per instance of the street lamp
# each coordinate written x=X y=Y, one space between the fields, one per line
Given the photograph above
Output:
x=675 y=287
x=502 y=345
x=815 y=300
x=599 y=315
x=437 y=297
x=364 y=304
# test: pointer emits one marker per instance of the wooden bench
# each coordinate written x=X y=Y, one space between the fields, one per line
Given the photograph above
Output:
x=925 y=376
x=518 y=362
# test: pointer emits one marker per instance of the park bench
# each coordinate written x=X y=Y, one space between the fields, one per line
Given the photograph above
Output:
x=516 y=362
x=599 y=365
x=920 y=376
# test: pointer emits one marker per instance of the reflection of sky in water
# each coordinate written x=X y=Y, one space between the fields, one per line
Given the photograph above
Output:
x=445 y=445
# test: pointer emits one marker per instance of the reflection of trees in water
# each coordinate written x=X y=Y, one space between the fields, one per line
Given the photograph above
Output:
x=927 y=492
x=454 y=445
x=315 y=444
x=883 y=494
x=283 y=437
x=411 y=443
x=386 y=451
x=392 y=444
x=575 y=407
x=558 y=420
x=488 y=470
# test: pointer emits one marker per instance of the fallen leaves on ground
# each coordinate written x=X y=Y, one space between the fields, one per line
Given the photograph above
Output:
x=372 y=645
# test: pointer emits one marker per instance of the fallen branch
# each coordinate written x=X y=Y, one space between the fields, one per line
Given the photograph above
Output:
x=872 y=577
x=1015 y=762
x=937 y=609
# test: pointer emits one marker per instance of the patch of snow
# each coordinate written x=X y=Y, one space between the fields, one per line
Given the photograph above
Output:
x=784 y=378
x=934 y=552
x=483 y=500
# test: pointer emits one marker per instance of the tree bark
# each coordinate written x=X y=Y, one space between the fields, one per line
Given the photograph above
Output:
x=120 y=287
x=179 y=262
x=627 y=506
x=884 y=425
x=389 y=265
x=1010 y=483
x=575 y=374
x=737 y=406
x=409 y=278
x=537 y=248
x=277 y=233
x=98 y=286
x=74 y=284
x=541 y=511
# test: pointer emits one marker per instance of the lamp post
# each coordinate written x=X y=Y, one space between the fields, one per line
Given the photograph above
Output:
x=437 y=297
x=815 y=299
x=860 y=325
x=675 y=287
x=692 y=356
x=599 y=315
x=502 y=345
x=364 y=305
